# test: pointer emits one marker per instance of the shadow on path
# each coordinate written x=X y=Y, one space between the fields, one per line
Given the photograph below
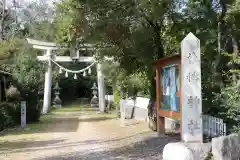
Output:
x=23 y=144
x=150 y=148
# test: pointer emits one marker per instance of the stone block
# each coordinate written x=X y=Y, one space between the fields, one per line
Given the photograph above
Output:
x=226 y=147
x=129 y=111
x=186 y=151
x=177 y=151
x=200 y=150
x=140 y=114
x=171 y=125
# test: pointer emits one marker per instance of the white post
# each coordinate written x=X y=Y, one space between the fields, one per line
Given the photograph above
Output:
x=48 y=85
x=23 y=114
x=101 y=88
x=122 y=112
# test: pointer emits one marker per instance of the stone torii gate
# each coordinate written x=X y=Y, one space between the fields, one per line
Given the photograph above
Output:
x=48 y=48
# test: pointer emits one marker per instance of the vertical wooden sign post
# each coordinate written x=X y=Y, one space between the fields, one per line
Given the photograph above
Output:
x=192 y=130
x=23 y=114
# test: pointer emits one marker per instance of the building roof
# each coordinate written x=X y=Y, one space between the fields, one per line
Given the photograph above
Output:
x=4 y=72
x=167 y=59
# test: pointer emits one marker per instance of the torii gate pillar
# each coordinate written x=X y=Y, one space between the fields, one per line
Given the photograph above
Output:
x=101 y=88
x=47 y=85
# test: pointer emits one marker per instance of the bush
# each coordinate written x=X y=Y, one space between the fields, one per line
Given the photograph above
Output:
x=229 y=96
x=12 y=94
x=16 y=113
x=230 y=107
x=10 y=113
x=32 y=107
x=7 y=112
x=28 y=78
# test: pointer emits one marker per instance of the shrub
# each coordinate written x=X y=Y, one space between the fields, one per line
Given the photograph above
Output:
x=32 y=104
x=12 y=94
x=16 y=113
x=10 y=113
x=6 y=113
x=229 y=97
x=28 y=77
x=230 y=107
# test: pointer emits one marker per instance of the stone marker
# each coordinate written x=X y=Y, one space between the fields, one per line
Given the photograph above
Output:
x=191 y=89
x=23 y=114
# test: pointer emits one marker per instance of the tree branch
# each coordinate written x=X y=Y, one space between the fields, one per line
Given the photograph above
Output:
x=147 y=19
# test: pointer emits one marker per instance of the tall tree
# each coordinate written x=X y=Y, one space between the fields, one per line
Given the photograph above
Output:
x=134 y=29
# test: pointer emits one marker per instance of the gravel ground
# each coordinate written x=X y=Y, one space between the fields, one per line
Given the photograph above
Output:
x=150 y=148
x=88 y=138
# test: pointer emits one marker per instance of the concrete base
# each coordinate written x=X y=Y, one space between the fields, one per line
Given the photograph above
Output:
x=57 y=106
x=140 y=114
x=94 y=106
x=186 y=151
x=136 y=113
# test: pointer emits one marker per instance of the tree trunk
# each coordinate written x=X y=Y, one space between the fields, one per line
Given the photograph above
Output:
x=216 y=73
x=151 y=76
x=158 y=55
x=2 y=20
x=235 y=55
x=116 y=96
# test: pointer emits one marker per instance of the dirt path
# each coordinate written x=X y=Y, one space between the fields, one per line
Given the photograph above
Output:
x=82 y=135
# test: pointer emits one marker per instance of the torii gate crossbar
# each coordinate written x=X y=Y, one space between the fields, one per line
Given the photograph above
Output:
x=48 y=47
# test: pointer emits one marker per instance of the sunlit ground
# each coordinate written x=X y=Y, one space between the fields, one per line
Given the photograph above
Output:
x=70 y=115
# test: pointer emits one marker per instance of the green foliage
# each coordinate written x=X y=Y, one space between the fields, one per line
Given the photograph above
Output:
x=116 y=95
x=28 y=72
x=140 y=32
x=133 y=29
x=12 y=94
x=5 y=118
x=123 y=83
x=230 y=95
x=68 y=90
x=10 y=48
x=10 y=115
x=43 y=30
x=28 y=77
x=230 y=107
x=136 y=33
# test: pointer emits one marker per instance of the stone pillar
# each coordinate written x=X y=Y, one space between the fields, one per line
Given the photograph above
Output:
x=1 y=93
x=48 y=85
x=101 y=88
x=191 y=90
